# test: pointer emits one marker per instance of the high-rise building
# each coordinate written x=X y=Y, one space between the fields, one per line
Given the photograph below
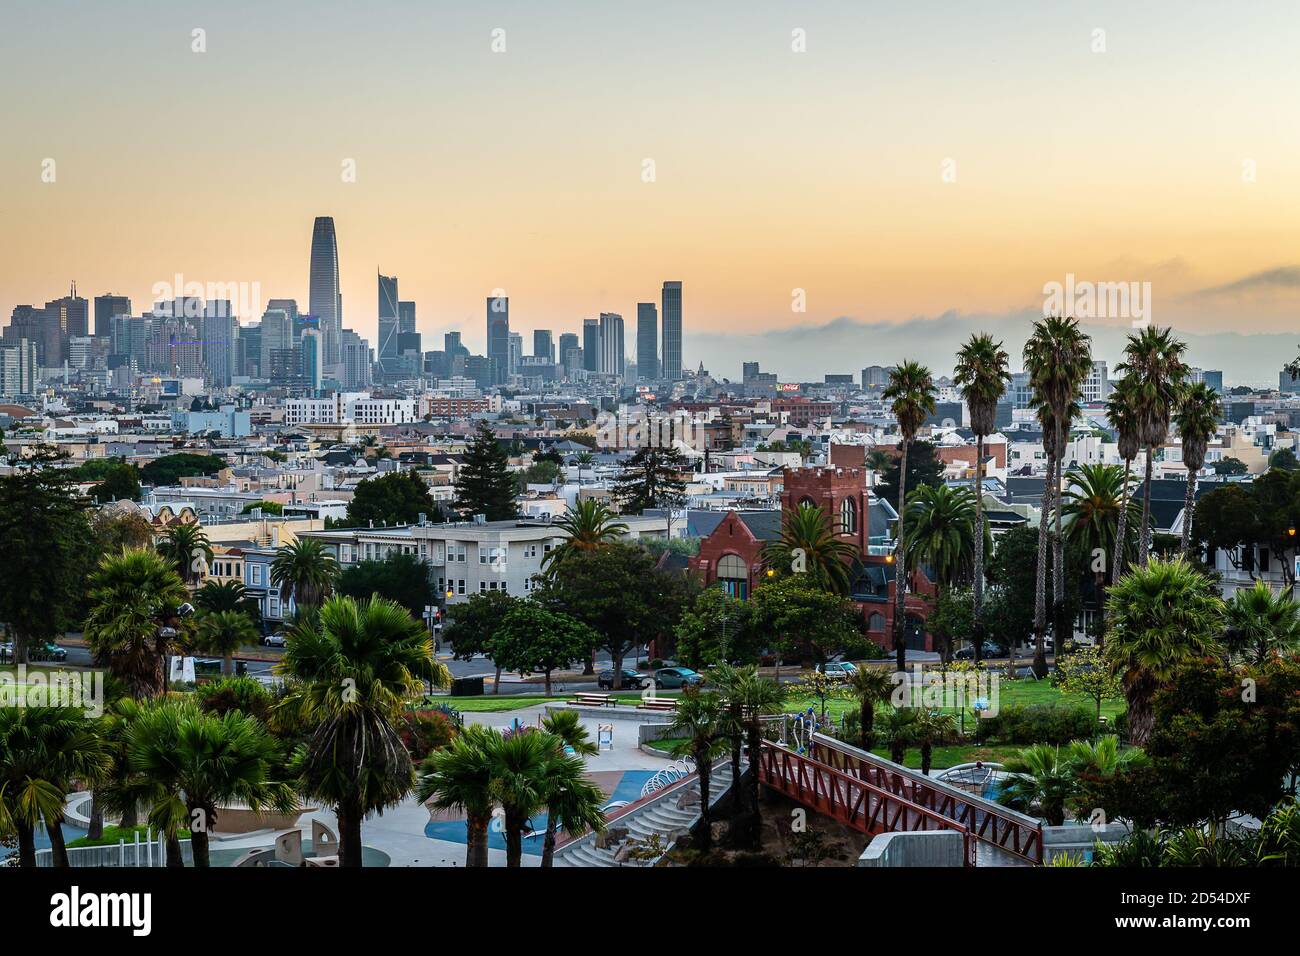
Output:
x=611 y=341
x=65 y=318
x=671 y=310
x=406 y=316
x=516 y=352
x=875 y=376
x=591 y=349
x=18 y=369
x=297 y=320
x=542 y=345
x=354 y=359
x=647 y=341
x=325 y=302
x=218 y=347
x=310 y=346
x=277 y=336
x=107 y=306
x=498 y=336
x=388 y=326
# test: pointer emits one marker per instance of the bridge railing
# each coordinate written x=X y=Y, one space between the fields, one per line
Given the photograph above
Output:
x=850 y=799
x=988 y=822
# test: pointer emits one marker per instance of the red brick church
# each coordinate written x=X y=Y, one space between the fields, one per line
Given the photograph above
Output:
x=730 y=556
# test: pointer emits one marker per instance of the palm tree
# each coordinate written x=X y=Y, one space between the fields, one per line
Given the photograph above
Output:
x=871 y=686
x=1262 y=623
x=982 y=376
x=201 y=761
x=572 y=801
x=1058 y=358
x=304 y=571
x=759 y=697
x=584 y=459
x=1101 y=758
x=911 y=393
x=132 y=625
x=699 y=721
x=1124 y=414
x=879 y=461
x=221 y=596
x=1096 y=497
x=589 y=526
x=726 y=678
x=186 y=546
x=459 y=777
x=1197 y=421
x=808 y=545
x=224 y=632
x=42 y=751
x=900 y=731
x=1155 y=360
x=1161 y=616
x=1038 y=777
x=941 y=533
x=520 y=767
x=355 y=664
x=933 y=727
x=573 y=797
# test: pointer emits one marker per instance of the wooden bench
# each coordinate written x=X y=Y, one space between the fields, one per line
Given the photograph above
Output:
x=601 y=700
x=657 y=703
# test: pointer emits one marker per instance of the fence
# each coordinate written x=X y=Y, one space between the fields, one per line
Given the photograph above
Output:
x=148 y=852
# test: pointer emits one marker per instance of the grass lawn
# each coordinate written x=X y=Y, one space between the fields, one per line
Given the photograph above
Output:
x=506 y=702
x=112 y=834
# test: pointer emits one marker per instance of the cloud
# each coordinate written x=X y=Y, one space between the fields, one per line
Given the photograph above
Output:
x=1284 y=278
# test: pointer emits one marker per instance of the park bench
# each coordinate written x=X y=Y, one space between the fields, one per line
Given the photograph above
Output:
x=601 y=700
x=657 y=703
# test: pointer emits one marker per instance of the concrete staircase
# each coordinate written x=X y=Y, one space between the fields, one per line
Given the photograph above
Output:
x=660 y=815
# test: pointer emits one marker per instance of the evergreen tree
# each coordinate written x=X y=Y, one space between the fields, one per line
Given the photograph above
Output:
x=484 y=484
x=651 y=479
x=399 y=497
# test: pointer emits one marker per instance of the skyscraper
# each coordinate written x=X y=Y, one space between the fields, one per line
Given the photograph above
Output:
x=672 y=319
x=325 y=302
x=66 y=318
x=107 y=306
x=591 y=345
x=354 y=357
x=406 y=316
x=516 y=352
x=388 y=325
x=498 y=336
x=277 y=336
x=647 y=341
x=219 y=334
x=542 y=347
x=310 y=344
x=611 y=341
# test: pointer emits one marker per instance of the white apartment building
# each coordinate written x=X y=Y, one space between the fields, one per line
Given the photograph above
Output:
x=348 y=408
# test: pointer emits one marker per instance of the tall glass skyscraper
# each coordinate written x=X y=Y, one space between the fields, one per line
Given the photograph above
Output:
x=326 y=303
x=611 y=341
x=388 y=324
x=591 y=345
x=672 y=319
x=498 y=336
x=647 y=341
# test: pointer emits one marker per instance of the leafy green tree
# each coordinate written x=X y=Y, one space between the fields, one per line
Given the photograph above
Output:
x=871 y=686
x=395 y=498
x=43 y=537
x=932 y=727
x=170 y=469
x=714 y=629
x=116 y=480
x=941 y=532
x=651 y=478
x=531 y=638
x=134 y=623
x=983 y=376
x=1197 y=421
x=484 y=484
x=400 y=577
x=797 y=615
x=472 y=627
x=266 y=507
x=1087 y=673
x=1162 y=616
x=1230 y=466
x=305 y=572
x=201 y=761
x=1098 y=508
x=809 y=548
x=354 y=665
x=1283 y=458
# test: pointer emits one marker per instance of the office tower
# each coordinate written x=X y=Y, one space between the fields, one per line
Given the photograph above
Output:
x=875 y=376
x=325 y=302
x=611 y=341
x=671 y=310
x=219 y=349
x=516 y=352
x=482 y=370
x=277 y=336
x=406 y=316
x=498 y=336
x=354 y=357
x=387 y=347
x=297 y=320
x=567 y=341
x=107 y=306
x=1096 y=387
x=27 y=322
x=19 y=373
x=250 y=350
x=66 y=318
x=591 y=350
x=451 y=344
x=1214 y=379
x=542 y=345
x=748 y=370
x=647 y=342
x=310 y=347
x=174 y=346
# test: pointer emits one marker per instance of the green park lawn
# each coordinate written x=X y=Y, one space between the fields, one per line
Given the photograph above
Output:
x=112 y=834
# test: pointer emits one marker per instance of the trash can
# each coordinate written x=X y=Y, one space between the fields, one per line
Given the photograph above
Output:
x=467 y=687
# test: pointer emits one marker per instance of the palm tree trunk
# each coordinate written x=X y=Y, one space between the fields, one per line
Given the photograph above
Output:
x=1040 y=584
x=1121 y=532
x=866 y=718
x=755 y=750
x=1144 y=548
x=977 y=623
x=703 y=768
x=227 y=665
x=927 y=753
x=58 y=846
x=1141 y=718
x=900 y=573
x=496 y=682
x=26 y=844
x=1059 y=623
x=548 y=843
x=199 y=842
x=349 y=817
x=547 y=682
x=174 y=857
x=514 y=840
x=1188 y=504
x=96 y=828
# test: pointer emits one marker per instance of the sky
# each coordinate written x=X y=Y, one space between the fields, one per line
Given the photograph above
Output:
x=833 y=182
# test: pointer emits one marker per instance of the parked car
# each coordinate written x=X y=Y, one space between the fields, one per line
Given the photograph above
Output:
x=670 y=678
x=631 y=680
x=991 y=649
x=6 y=652
x=45 y=651
x=838 y=670
x=275 y=640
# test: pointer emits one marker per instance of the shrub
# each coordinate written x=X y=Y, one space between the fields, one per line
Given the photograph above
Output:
x=425 y=731
x=1039 y=723
x=235 y=693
